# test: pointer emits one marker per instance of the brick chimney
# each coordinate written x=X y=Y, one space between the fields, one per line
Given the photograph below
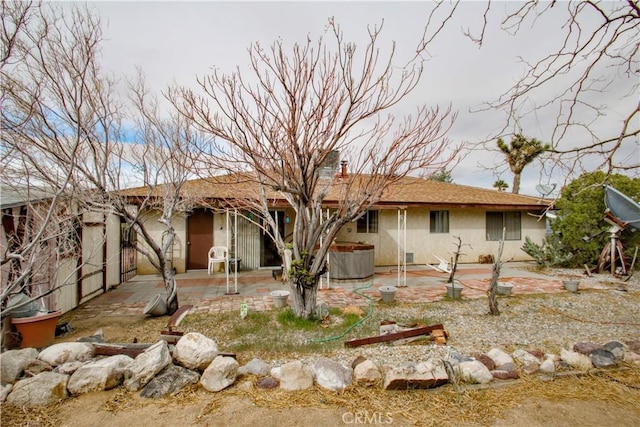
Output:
x=343 y=171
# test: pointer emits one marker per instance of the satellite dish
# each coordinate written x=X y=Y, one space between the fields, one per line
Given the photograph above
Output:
x=545 y=189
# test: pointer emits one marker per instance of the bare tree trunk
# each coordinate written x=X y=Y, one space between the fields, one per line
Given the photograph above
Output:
x=303 y=299
x=172 y=293
x=493 y=286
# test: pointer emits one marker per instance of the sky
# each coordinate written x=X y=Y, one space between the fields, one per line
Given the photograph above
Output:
x=173 y=42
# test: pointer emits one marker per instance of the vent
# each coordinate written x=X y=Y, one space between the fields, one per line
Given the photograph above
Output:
x=408 y=257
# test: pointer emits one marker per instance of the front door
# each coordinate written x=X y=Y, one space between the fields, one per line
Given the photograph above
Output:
x=199 y=238
x=269 y=256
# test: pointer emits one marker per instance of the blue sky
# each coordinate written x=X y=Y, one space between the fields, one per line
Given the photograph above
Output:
x=175 y=41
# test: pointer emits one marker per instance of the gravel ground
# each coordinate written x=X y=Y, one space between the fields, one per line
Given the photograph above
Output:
x=546 y=322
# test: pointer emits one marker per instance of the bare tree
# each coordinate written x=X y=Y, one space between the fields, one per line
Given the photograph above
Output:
x=61 y=131
x=519 y=153
x=38 y=73
x=598 y=52
x=277 y=126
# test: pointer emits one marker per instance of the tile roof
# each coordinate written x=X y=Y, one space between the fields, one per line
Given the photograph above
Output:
x=408 y=191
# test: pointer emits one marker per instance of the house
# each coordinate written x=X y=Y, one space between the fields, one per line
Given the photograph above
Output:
x=416 y=220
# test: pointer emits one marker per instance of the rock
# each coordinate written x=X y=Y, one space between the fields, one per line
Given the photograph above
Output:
x=357 y=361
x=99 y=375
x=295 y=376
x=169 y=381
x=539 y=354
x=585 y=347
x=254 y=367
x=331 y=375
x=523 y=357
x=634 y=346
x=68 y=368
x=195 y=351
x=576 y=360
x=44 y=389
x=499 y=357
x=454 y=357
x=220 y=374
x=146 y=365
x=35 y=366
x=632 y=357
x=507 y=367
x=531 y=368
x=98 y=336
x=13 y=362
x=505 y=375
x=429 y=374
x=548 y=366
x=57 y=354
x=474 y=372
x=486 y=361
x=602 y=358
x=617 y=348
x=276 y=372
x=267 y=383
x=366 y=373
x=4 y=391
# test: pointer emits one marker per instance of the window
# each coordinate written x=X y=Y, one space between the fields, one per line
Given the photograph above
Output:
x=368 y=223
x=510 y=221
x=439 y=221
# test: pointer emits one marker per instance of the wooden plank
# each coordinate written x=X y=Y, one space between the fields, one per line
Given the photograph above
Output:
x=393 y=336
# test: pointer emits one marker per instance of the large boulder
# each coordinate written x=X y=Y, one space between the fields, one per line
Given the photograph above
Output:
x=60 y=353
x=474 y=372
x=44 y=389
x=146 y=365
x=429 y=374
x=331 y=375
x=99 y=375
x=195 y=351
x=294 y=376
x=220 y=374
x=366 y=373
x=254 y=367
x=499 y=357
x=13 y=362
x=169 y=381
x=575 y=359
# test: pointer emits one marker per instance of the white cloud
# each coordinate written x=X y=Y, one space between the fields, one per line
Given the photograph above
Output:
x=175 y=41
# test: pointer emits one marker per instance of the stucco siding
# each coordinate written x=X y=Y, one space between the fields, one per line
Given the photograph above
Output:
x=156 y=229
x=469 y=224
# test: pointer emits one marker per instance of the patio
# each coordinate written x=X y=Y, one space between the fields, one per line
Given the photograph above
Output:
x=208 y=293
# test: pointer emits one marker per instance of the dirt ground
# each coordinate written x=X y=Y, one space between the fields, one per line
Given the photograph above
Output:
x=89 y=410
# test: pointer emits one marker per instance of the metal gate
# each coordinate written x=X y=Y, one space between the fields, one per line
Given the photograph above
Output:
x=128 y=253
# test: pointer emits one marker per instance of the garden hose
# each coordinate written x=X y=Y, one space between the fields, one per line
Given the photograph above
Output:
x=369 y=312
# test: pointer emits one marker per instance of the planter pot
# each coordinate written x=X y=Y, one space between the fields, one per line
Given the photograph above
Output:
x=504 y=288
x=280 y=298
x=454 y=290
x=156 y=307
x=37 y=331
x=388 y=293
x=571 y=285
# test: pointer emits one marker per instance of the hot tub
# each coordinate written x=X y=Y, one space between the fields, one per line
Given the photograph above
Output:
x=348 y=260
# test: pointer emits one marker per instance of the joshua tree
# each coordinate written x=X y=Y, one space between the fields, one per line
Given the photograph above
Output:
x=519 y=154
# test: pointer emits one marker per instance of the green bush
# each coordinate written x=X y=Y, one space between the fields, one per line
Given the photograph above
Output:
x=580 y=225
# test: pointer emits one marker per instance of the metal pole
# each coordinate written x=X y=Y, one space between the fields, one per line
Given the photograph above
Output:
x=235 y=249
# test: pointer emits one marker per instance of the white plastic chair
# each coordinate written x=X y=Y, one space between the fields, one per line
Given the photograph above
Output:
x=218 y=254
